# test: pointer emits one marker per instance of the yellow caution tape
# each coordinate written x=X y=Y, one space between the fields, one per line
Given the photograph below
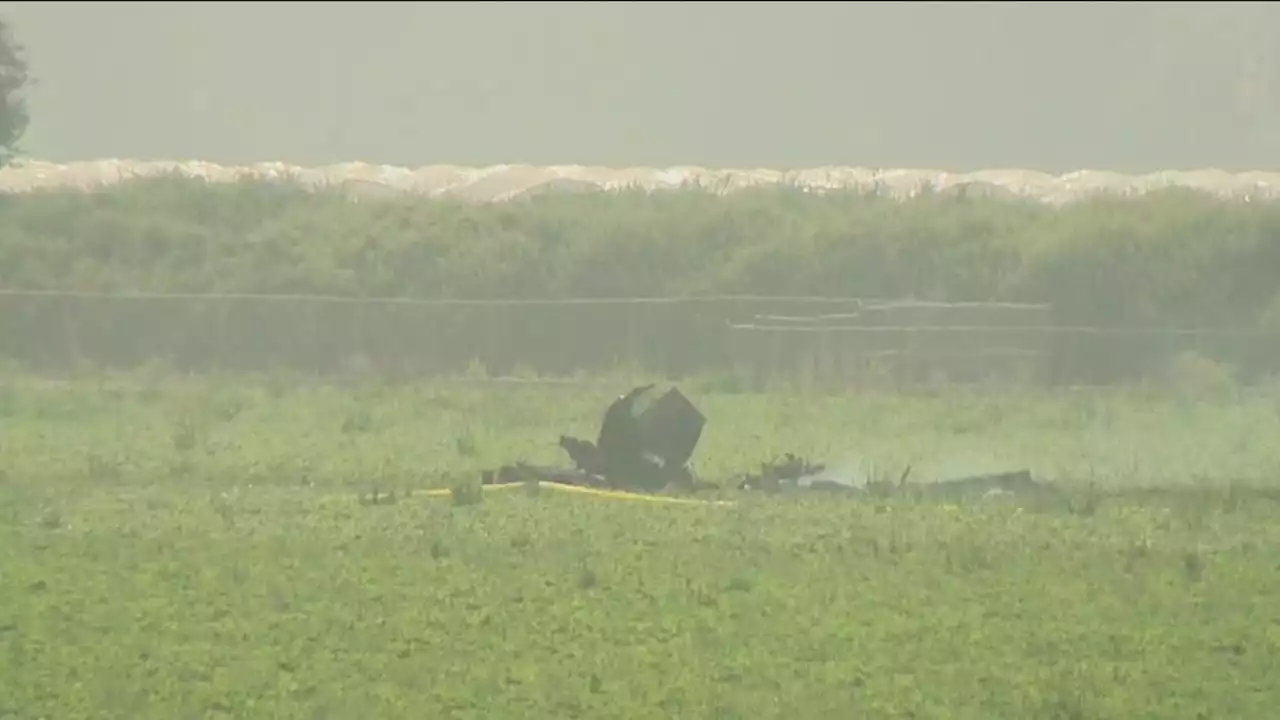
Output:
x=614 y=494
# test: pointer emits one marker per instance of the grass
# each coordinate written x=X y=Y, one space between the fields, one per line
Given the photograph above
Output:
x=197 y=548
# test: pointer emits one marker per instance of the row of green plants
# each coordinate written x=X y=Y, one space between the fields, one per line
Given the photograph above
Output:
x=1175 y=257
x=288 y=429
x=179 y=546
x=243 y=601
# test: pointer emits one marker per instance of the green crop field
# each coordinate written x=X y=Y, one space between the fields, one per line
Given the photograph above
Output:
x=182 y=546
x=200 y=547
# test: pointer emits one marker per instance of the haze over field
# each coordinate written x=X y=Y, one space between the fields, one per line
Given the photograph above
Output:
x=270 y=452
x=1048 y=86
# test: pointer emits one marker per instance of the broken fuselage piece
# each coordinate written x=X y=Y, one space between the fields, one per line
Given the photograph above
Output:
x=644 y=451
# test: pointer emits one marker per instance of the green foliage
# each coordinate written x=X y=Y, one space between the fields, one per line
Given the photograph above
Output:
x=467 y=492
x=1169 y=258
x=14 y=79
x=183 y=547
x=285 y=433
x=1194 y=376
x=276 y=602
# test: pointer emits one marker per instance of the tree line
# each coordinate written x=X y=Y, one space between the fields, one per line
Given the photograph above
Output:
x=1172 y=258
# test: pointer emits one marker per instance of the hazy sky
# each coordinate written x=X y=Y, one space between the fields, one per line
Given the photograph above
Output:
x=1052 y=86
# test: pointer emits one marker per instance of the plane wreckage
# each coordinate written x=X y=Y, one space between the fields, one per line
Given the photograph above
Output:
x=649 y=452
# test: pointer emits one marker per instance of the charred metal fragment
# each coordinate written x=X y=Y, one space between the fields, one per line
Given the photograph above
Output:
x=644 y=451
x=584 y=454
x=523 y=472
x=671 y=427
x=785 y=471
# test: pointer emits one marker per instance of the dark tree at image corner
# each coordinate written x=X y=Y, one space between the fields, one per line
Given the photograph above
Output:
x=13 y=106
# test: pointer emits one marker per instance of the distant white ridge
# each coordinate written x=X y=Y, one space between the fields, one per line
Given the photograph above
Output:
x=505 y=182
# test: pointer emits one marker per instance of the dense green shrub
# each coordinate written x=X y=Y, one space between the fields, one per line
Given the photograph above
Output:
x=1170 y=258
x=14 y=80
